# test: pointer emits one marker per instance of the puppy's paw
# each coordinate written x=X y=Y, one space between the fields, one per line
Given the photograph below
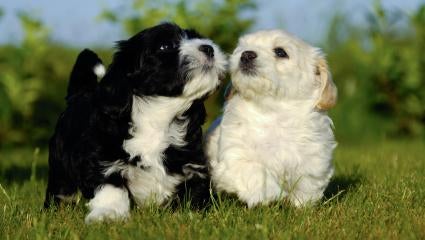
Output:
x=109 y=203
x=302 y=199
x=102 y=214
x=262 y=198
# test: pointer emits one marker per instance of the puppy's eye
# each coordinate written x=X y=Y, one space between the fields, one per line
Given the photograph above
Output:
x=164 y=47
x=168 y=46
x=280 y=52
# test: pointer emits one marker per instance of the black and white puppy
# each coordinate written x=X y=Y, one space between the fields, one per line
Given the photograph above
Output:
x=137 y=133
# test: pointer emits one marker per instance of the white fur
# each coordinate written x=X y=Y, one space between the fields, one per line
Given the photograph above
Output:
x=202 y=81
x=272 y=141
x=99 y=70
x=109 y=203
x=153 y=131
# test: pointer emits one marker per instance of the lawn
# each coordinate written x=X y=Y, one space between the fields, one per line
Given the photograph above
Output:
x=378 y=192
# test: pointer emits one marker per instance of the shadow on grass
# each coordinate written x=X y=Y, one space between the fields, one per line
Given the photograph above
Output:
x=338 y=187
x=20 y=174
x=341 y=185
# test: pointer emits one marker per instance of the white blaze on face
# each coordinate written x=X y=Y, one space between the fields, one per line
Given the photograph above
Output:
x=203 y=73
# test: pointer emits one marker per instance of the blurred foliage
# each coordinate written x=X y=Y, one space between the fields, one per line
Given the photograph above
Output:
x=379 y=67
x=29 y=79
x=33 y=79
x=380 y=71
x=34 y=73
x=220 y=20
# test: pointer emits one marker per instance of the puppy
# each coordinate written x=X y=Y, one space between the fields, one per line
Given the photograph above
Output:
x=137 y=133
x=275 y=138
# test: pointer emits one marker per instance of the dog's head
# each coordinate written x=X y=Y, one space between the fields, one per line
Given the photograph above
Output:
x=275 y=64
x=166 y=60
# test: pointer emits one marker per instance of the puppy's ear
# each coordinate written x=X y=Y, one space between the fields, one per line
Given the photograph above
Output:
x=328 y=91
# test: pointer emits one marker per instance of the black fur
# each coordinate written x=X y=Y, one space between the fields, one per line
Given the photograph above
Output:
x=83 y=77
x=97 y=118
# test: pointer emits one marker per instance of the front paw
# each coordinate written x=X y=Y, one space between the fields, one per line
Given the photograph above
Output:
x=102 y=214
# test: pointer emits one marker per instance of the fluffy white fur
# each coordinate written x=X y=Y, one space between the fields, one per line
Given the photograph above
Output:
x=275 y=139
x=151 y=136
x=109 y=202
x=201 y=82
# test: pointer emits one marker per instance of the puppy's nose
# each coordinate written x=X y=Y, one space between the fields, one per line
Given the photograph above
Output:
x=207 y=49
x=248 y=56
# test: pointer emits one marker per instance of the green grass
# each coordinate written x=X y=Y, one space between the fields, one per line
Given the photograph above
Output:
x=378 y=192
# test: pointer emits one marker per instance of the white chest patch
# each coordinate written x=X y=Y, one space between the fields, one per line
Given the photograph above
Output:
x=157 y=124
x=283 y=137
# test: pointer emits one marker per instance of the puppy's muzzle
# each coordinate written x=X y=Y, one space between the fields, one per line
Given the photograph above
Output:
x=248 y=57
x=247 y=62
x=207 y=50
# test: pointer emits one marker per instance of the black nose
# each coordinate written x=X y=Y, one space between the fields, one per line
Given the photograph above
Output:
x=248 y=56
x=207 y=49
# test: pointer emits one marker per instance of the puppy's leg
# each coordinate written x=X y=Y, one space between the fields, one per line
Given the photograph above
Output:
x=251 y=181
x=109 y=202
x=195 y=189
x=211 y=143
x=59 y=186
x=58 y=189
x=309 y=188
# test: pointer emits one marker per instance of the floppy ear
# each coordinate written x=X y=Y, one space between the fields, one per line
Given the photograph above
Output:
x=115 y=96
x=328 y=91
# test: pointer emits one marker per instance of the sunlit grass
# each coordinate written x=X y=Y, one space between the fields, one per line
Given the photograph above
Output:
x=377 y=192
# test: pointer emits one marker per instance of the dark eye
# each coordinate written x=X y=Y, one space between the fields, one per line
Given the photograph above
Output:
x=280 y=52
x=168 y=46
x=164 y=47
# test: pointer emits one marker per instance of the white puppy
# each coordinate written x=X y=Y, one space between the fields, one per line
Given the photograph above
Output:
x=275 y=139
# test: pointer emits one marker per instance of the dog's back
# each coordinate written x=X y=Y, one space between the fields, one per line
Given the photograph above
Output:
x=71 y=125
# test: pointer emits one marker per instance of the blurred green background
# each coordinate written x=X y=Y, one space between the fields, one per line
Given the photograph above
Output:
x=378 y=65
